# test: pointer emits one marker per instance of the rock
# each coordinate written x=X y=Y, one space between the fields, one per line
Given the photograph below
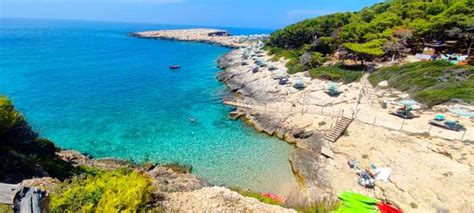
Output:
x=327 y=152
x=225 y=61
x=302 y=134
x=76 y=159
x=309 y=172
x=216 y=199
x=166 y=180
x=46 y=183
x=383 y=84
x=31 y=200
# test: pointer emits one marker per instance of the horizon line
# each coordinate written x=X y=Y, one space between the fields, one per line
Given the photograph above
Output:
x=131 y=22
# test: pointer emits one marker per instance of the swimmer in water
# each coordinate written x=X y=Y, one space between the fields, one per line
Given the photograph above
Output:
x=192 y=120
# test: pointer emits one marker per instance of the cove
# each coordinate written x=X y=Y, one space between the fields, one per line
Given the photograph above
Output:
x=90 y=87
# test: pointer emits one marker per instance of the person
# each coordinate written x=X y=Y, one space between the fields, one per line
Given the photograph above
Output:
x=192 y=120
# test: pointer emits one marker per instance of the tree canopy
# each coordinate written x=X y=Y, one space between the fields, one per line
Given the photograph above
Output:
x=425 y=20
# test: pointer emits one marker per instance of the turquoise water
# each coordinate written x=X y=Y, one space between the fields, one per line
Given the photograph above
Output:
x=88 y=86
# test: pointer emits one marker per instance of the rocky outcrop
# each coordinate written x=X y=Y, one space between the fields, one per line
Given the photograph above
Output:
x=76 y=158
x=216 y=199
x=165 y=180
x=259 y=88
x=225 y=61
x=309 y=170
x=211 y=36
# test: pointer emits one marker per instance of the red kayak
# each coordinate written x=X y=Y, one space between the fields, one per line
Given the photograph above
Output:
x=173 y=67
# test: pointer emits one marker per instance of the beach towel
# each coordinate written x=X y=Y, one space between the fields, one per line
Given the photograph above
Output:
x=386 y=208
x=353 y=202
x=357 y=203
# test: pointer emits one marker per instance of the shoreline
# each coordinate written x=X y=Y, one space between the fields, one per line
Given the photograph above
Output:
x=324 y=177
x=201 y=35
x=293 y=115
x=235 y=43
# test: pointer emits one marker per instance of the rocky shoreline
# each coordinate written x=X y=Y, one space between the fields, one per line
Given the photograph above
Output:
x=306 y=161
x=324 y=177
x=299 y=120
x=209 y=36
x=175 y=189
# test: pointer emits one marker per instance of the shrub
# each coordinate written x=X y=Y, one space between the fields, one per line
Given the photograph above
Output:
x=338 y=73
x=9 y=117
x=302 y=204
x=430 y=83
x=121 y=190
x=23 y=154
x=256 y=195
x=298 y=60
x=6 y=208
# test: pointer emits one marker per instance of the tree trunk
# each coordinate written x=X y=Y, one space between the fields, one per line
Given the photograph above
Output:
x=469 y=49
x=393 y=57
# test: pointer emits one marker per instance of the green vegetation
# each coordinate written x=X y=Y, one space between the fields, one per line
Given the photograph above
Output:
x=299 y=60
x=9 y=117
x=383 y=31
x=257 y=195
x=5 y=209
x=337 y=73
x=365 y=51
x=295 y=202
x=24 y=155
x=321 y=207
x=120 y=190
x=430 y=83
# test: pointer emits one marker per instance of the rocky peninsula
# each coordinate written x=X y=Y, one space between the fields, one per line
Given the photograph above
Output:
x=211 y=36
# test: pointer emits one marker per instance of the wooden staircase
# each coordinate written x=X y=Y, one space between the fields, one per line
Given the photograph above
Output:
x=339 y=129
x=368 y=90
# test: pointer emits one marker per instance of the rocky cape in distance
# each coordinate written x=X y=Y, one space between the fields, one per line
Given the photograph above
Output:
x=212 y=36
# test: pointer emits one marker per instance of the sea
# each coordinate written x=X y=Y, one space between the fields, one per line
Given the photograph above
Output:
x=90 y=87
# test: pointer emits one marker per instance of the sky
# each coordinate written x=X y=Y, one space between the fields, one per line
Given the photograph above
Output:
x=268 y=14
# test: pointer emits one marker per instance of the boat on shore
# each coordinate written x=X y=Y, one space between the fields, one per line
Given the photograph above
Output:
x=174 y=67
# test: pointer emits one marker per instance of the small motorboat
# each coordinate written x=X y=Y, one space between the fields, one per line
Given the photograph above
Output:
x=174 y=67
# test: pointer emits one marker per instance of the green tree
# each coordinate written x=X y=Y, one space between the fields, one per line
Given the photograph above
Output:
x=364 y=51
x=398 y=43
x=9 y=117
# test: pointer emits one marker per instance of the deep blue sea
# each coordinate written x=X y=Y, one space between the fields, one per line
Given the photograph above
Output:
x=88 y=86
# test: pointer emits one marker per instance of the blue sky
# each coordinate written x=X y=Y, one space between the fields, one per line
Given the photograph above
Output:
x=268 y=14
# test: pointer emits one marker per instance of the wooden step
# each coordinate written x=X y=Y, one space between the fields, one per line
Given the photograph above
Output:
x=338 y=129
